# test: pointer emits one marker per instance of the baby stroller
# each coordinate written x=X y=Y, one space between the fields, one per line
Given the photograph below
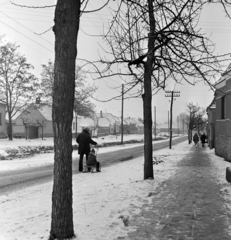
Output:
x=92 y=163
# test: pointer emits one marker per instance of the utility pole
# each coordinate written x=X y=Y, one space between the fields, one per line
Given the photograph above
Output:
x=177 y=119
x=155 y=122
x=171 y=94
x=168 y=125
x=122 y=116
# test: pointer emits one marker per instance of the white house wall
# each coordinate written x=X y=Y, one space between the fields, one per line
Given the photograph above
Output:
x=47 y=130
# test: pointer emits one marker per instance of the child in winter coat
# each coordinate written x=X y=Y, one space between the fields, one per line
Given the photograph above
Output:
x=92 y=161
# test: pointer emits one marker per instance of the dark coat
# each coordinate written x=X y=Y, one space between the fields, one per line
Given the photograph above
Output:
x=84 y=140
x=203 y=137
x=195 y=138
x=91 y=161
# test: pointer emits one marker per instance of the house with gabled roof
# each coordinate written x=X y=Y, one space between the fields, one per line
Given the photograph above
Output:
x=107 y=124
x=34 y=122
x=80 y=122
x=223 y=115
x=133 y=126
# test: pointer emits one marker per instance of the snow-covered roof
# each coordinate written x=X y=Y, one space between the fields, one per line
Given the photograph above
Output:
x=226 y=75
x=86 y=122
x=103 y=122
x=133 y=121
x=228 y=69
x=212 y=105
x=112 y=119
x=46 y=111
x=17 y=114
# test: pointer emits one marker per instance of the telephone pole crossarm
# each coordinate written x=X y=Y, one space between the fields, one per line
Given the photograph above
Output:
x=171 y=94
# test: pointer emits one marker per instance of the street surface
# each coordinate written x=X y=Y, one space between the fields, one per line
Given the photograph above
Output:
x=19 y=179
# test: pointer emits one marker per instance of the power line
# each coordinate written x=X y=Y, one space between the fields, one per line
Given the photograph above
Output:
x=25 y=27
x=26 y=36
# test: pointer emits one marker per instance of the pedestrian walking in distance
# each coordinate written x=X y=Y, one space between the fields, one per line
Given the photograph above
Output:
x=195 y=139
x=84 y=140
x=203 y=138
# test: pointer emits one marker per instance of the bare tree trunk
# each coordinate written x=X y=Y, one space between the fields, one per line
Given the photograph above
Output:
x=147 y=98
x=189 y=136
x=170 y=138
x=10 y=130
x=67 y=16
x=147 y=106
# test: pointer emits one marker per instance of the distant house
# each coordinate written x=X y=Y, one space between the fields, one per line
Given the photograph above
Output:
x=33 y=122
x=3 y=131
x=107 y=124
x=133 y=126
x=223 y=115
x=80 y=122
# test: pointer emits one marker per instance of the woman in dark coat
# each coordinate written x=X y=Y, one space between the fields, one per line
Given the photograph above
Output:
x=84 y=140
x=203 y=138
x=195 y=139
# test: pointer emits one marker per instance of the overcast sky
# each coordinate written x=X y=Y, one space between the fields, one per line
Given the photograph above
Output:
x=23 y=26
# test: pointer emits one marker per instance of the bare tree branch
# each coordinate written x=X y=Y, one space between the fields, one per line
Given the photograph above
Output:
x=26 y=6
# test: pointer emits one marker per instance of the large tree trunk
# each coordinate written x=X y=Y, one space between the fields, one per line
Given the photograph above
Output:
x=147 y=108
x=67 y=14
x=147 y=99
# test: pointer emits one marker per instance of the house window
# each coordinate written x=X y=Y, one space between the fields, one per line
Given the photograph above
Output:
x=0 y=118
x=223 y=113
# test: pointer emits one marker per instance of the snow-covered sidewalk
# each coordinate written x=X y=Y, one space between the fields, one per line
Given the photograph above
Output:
x=100 y=200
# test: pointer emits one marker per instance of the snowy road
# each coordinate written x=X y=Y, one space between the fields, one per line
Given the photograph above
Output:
x=22 y=178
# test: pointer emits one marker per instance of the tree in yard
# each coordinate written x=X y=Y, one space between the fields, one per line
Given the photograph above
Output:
x=194 y=119
x=151 y=41
x=17 y=84
x=47 y=81
x=181 y=119
x=83 y=91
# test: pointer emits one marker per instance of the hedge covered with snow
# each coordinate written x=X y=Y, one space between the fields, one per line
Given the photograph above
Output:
x=27 y=151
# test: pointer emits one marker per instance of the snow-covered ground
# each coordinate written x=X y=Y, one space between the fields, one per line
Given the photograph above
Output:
x=220 y=166
x=99 y=200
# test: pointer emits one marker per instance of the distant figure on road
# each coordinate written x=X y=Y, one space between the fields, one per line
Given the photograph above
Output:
x=195 y=139
x=203 y=138
x=84 y=140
